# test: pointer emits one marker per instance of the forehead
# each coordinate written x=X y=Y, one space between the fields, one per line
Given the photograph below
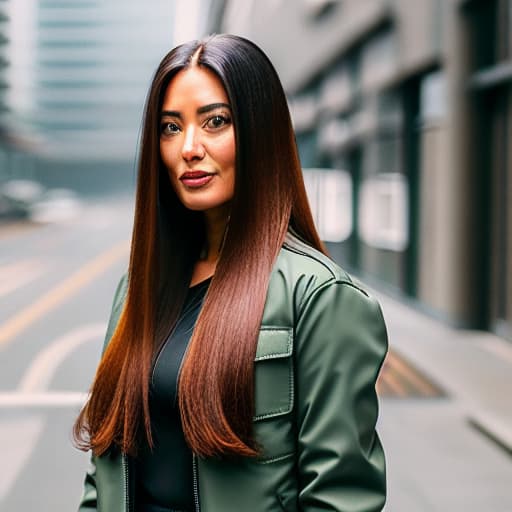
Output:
x=194 y=86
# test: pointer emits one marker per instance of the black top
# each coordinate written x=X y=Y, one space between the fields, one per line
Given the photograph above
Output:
x=164 y=476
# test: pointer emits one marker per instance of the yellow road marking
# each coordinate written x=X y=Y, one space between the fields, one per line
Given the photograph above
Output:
x=16 y=228
x=416 y=380
x=61 y=292
x=382 y=387
x=394 y=384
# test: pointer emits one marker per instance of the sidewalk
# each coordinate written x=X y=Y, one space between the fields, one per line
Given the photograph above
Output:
x=474 y=368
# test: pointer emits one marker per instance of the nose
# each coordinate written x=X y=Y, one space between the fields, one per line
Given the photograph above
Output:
x=192 y=148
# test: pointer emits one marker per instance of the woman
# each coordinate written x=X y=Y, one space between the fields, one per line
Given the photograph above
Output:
x=240 y=362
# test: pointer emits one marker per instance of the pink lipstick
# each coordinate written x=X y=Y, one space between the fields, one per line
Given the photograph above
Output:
x=195 y=179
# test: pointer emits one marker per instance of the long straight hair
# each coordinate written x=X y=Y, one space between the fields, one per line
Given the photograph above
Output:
x=216 y=383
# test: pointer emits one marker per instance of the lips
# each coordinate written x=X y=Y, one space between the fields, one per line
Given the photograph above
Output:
x=194 y=179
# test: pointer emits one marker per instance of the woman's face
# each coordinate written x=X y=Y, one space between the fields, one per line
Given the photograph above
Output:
x=197 y=140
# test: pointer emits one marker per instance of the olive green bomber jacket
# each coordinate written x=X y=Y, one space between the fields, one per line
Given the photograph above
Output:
x=320 y=349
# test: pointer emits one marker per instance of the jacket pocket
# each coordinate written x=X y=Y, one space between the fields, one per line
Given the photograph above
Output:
x=273 y=373
x=274 y=396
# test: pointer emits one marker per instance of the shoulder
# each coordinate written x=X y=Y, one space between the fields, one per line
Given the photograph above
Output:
x=120 y=294
x=117 y=305
x=304 y=264
x=302 y=273
x=305 y=259
x=328 y=311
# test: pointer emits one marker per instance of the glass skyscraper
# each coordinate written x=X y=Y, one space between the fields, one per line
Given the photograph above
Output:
x=78 y=74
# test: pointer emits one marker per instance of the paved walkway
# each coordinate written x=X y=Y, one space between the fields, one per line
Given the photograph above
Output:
x=452 y=451
x=473 y=367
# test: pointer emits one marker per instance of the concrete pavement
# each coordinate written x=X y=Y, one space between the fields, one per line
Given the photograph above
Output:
x=451 y=452
x=473 y=367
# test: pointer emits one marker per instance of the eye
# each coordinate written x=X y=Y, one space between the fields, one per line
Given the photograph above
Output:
x=217 y=121
x=169 y=128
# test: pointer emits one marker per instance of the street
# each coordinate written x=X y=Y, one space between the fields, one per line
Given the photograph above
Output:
x=51 y=333
x=56 y=287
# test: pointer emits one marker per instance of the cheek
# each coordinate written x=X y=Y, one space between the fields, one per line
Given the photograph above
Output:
x=168 y=159
x=231 y=154
x=163 y=154
x=169 y=164
x=225 y=150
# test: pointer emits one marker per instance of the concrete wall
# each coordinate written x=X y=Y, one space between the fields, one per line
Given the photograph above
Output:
x=424 y=35
x=299 y=45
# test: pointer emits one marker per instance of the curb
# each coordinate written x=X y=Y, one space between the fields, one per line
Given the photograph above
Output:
x=493 y=428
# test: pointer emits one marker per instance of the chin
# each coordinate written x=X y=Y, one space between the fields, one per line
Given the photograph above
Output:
x=198 y=205
x=205 y=204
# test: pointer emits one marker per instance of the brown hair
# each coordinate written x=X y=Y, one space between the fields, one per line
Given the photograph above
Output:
x=216 y=384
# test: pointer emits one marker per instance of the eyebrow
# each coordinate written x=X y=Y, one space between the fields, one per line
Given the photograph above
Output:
x=212 y=106
x=200 y=110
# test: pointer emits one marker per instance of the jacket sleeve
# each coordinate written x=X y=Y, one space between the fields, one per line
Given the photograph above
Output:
x=341 y=342
x=88 y=503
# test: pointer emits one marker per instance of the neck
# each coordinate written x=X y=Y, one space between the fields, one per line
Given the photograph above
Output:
x=216 y=225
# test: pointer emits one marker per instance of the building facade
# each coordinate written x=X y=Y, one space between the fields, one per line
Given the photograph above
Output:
x=406 y=104
x=79 y=73
x=75 y=86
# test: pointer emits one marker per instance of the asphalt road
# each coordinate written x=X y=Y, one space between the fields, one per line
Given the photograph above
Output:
x=56 y=288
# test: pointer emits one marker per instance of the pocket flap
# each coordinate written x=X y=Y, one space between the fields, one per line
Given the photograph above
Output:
x=274 y=342
x=274 y=373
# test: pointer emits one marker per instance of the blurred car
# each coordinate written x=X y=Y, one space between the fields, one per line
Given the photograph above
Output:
x=55 y=206
x=16 y=197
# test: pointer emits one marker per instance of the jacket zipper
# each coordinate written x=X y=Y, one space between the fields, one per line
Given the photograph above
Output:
x=197 y=506
x=195 y=477
x=127 y=502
